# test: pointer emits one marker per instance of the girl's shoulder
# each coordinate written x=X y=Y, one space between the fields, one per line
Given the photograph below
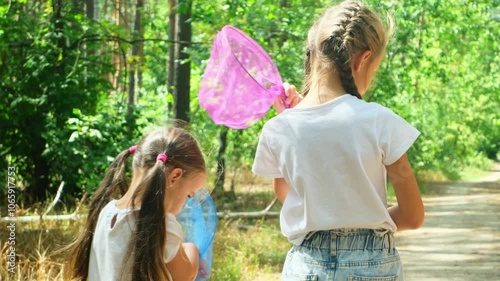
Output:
x=173 y=225
x=111 y=207
x=384 y=113
x=111 y=210
x=378 y=106
x=274 y=126
x=380 y=112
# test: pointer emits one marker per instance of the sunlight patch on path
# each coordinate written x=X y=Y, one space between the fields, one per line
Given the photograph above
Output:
x=460 y=239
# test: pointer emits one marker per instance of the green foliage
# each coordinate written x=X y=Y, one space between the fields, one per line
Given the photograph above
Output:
x=441 y=73
x=242 y=255
x=61 y=119
x=93 y=142
x=50 y=66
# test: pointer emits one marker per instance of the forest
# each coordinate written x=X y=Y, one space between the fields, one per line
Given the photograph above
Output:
x=83 y=80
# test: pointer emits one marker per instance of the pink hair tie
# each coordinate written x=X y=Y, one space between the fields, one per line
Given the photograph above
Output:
x=132 y=149
x=162 y=157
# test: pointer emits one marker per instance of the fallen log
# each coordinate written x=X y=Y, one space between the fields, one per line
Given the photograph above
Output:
x=75 y=216
x=44 y=218
x=220 y=215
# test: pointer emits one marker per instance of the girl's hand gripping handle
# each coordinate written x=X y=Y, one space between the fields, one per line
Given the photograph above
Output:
x=289 y=98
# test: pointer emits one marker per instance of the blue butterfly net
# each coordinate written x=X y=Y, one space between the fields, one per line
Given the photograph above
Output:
x=198 y=218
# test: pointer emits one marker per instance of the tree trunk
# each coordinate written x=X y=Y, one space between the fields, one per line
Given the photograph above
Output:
x=218 y=191
x=134 y=65
x=171 y=51
x=37 y=191
x=118 y=59
x=182 y=96
x=77 y=6
x=90 y=9
x=90 y=13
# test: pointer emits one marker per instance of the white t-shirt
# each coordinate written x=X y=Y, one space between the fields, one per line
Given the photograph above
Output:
x=333 y=156
x=110 y=244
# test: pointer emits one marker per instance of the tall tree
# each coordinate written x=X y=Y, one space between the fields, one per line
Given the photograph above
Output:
x=89 y=9
x=218 y=191
x=119 y=55
x=135 y=62
x=182 y=97
x=179 y=64
x=171 y=50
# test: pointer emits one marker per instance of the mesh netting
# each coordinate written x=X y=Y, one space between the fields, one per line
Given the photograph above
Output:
x=240 y=82
x=198 y=218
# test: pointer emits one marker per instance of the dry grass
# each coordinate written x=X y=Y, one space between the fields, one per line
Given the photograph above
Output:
x=242 y=248
x=36 y=250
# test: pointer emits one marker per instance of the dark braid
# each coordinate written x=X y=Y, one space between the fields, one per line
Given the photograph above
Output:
x=307 y=72
x=343 y=32
x=336 y=49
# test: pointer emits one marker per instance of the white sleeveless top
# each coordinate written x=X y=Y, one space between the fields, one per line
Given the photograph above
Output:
x=333 y=156
x=108 y=256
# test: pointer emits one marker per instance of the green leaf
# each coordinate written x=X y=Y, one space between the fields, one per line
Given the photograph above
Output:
x=73 y=137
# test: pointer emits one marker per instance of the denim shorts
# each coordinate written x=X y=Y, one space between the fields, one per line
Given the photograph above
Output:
x=344 y=255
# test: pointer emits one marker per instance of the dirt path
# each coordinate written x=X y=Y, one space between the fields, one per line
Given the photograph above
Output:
x=460 y=239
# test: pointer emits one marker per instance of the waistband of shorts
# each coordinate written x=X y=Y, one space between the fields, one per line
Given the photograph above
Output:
x=350 y=239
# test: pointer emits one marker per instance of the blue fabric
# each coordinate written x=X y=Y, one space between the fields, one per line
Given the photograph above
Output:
x=344 y=255
x=199 y=221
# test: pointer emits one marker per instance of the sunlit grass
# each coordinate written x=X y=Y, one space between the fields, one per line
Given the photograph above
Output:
x=242 y=248
x=35 y=248
x=472 y=174
x=241 y=254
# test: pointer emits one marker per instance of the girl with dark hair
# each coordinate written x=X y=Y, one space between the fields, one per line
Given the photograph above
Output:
x=329 y=156
x=137 y=237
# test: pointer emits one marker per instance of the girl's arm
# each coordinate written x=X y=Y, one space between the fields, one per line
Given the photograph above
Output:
x=184 y=266
x=409 y=212
x=281 y=189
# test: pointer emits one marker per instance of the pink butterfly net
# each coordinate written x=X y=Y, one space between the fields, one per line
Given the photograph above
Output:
x=240 y=82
